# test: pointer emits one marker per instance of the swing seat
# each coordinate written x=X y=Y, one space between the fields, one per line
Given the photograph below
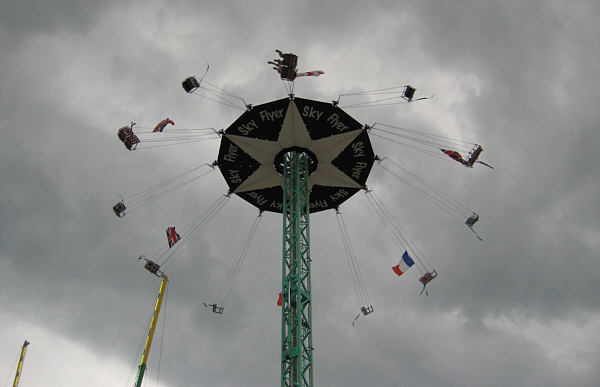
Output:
x=131 y=142
x=366 y=310
x=152 y=267
x=124 y=132
x=472 y=220
x=409 y=93
x=119 y=209
x=217 y=309
x=428 y=277
x=473 y=156
x=128 y=138
x=190 y=84
x=288 y=67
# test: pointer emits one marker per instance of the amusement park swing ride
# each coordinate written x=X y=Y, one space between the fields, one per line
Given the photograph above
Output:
x=296 y=156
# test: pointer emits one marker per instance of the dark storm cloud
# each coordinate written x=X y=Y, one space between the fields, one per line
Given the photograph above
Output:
x=22 y=19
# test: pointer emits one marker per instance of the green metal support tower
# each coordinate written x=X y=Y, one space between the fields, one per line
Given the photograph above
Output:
x=296 y=319
x=266 y=157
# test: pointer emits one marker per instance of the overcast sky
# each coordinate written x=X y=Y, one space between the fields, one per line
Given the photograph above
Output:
x=520 y=308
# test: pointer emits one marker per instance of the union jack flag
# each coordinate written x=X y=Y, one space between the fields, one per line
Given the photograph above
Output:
x=454 y=155
x=172 y=236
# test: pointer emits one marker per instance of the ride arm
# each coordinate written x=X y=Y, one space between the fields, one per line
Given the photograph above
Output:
x=21 y=360
x=142 y=367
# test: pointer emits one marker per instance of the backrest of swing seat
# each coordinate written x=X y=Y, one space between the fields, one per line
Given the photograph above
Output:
x=288 y=73
x=190 y=84
x=124 y=132
x=290 y=60
x=409 y=92
x=131 y=141
x=152 y=267
x=119 y=208
x=217 y=309
x=427 y=277
x=473 y=155
x=288 y=67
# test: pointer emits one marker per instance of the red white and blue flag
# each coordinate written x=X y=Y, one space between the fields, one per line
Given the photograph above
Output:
x=161 y=125
x=405 y=263
x=314 y=73
x=172 y=236
x=454 y=155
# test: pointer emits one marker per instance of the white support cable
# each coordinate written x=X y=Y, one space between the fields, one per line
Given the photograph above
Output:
x=409 y=141
x=183 y=138
x=230 y=279
x=426 y=195
x=149 y=131
x=396 y=91
x=12 y=371
x=289 y=86
x=423 y=142
x=422 y=137
x=378 y=102
x=133 y=198
x=431 y=193
x=190 y=141
x=430 y=152
x=400 y=237
x=172 y=136
x=405 y=237
x=220 y=95
x=192 y=231
x=148 y=195
x=165 y=256
x=217 y=89
x=348 y=251
x=177 y=135
x=220 y=100
x=357 y=278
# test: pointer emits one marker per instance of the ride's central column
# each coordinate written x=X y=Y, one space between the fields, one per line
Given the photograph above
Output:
x=296 y=324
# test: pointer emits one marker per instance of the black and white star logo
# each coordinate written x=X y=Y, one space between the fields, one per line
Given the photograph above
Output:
x=338 y=147
x=294 y=135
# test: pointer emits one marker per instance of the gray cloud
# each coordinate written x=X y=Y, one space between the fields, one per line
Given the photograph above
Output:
x=518 y=308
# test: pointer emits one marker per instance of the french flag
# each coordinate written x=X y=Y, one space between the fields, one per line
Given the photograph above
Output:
x=405 y=263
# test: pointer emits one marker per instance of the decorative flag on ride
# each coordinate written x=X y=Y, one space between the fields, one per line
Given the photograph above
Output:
x=405 y=263
x=161 y=125
x=280 y=300
x=172 y=236
x=315 y=73
x=454 y=155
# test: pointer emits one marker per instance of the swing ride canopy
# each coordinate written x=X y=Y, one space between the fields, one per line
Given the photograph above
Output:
x=252 y=149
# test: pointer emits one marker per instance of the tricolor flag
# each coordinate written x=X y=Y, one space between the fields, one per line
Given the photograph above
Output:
x=172 y=236
x=405 y=263
x=161 y=125
x=454 y=155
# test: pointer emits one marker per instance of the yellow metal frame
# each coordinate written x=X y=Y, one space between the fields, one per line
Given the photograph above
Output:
x=21 y=360
x=142 y=367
